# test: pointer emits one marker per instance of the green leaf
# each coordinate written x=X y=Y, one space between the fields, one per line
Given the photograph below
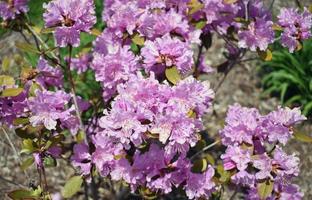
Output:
x=194 y=6
x=49 y=161
x=23 y=46
x=25 y=133
x=27 y=163
x=277 y=27
x=138 y=40
x=11 y=92
x=265 y=55
x=307 y=108
x=284 y=88
x=134 y=48
x=200 y=165
x=302 y=137
x=47 y=30
x=265 y=189
x=224 y=175
x=6 y=80
x=210 y=159
x=6 y=62
x=173 y=75
x=28 y=146
x=200 y=24
x=20 y=121
x=230 y=1
x=72 y=186
x=23 y=194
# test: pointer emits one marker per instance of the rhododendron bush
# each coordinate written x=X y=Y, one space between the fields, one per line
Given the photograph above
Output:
x=128 y=106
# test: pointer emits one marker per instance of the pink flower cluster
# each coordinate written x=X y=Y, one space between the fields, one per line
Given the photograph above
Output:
x=10 y=9
x=247 y=135
x=163 y=119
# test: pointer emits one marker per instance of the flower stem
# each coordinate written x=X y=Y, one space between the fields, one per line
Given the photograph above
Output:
x=73 y=91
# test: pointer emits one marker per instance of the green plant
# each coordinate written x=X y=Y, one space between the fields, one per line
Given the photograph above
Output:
x=289 y=76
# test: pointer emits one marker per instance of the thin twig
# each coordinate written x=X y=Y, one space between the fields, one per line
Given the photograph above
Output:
x=205 y=149
x=12 y=183
x=197 y=62
x=73 y=91
x=271 y=5
x=39 y=39
x=16 y=155
x=234 y=194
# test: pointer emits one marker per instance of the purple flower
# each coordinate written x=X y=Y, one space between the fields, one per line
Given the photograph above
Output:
x=48 y=75
x=12 y=108
x=107 y=42
x=285 y=166
x=121 y=16
x=235 y=157
x=70 y=18
x=114 y=68
x=280 y=123
x=291 y=191
x=10 y=8
x=157 y=24
x=264 y=164
x=243 y=178
x=241 y=125
x=297 y=27
x=106 y=153
x=82 y=158
x=258 y=35
x=200 y=185
x=48 y=107
x=81 y=64
x=167 y=52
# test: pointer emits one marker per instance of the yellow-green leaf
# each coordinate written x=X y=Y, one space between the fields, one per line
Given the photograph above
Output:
x=28 y=146
x=230 y=1
x=27 y=163
x=310 y=8
x=265 y=55
x=23 y=46
x=47 y=30
x=277 y=27
x=23 y=194
x=20 y=121
x=6 y=80
x=210 y=159
x=200 y=24
x=224 y=175
x=72 y=186
x=302 y=137
x=6 y=62
x=265 y=189
x=138 y=40
x=95 y=32
x=299 y=46
x=200 y=165
x=194 y=6
x=191 y=114
x=11 y=92
x=173 y=75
